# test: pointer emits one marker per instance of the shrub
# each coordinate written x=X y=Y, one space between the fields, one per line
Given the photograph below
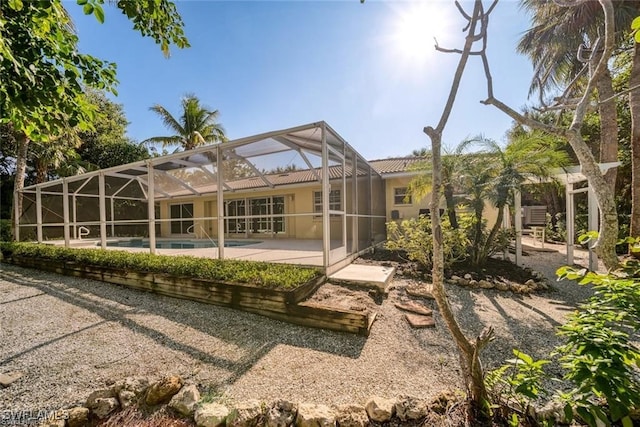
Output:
x=282 y=276
x=6 y=235
x=414 y=237
x=600 y=356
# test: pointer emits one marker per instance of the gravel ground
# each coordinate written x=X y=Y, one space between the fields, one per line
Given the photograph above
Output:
x=71 y=336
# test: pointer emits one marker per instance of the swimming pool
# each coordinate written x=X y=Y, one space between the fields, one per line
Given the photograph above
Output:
x=179 y=244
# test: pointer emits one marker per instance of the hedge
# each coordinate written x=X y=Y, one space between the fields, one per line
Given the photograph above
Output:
x=261 y=274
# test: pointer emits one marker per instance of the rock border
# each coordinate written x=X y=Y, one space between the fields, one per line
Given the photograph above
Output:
x=537 y=284
x=185 y=402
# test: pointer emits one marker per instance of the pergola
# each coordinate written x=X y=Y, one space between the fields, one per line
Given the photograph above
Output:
x=568 y=177
x=134 y=199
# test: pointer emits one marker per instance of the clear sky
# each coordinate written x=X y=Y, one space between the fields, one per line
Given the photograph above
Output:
x=369 y=70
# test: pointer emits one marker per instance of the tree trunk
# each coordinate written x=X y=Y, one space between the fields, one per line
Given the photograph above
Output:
x=634 y=106
x=451 y=206
x=606 y=243
x=492 y=235
x=608 y=126
x=41 y=171
x=18 y=184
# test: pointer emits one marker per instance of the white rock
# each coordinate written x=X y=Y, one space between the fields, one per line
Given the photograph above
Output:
x=246 y=414
x=281 y=414
x=310 y=415
x=468 y=276
x=485 y=284
x=411 y=409
x=186 y=400
x=211 y=415
x=380 y=409
x=352 y=416
x=105 y=406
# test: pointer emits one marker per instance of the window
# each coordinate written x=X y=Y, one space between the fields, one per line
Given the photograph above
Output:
x=235 y=208
x=182 y=218
x=401 y=196
x=335 y=201
x=263 y=212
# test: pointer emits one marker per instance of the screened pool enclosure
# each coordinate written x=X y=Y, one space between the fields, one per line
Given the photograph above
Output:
x=303 y=187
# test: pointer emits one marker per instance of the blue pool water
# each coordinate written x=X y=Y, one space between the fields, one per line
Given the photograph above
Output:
x=179 y=244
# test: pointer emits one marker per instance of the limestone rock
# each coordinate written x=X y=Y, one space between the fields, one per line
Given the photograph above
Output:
x=78 y=417
x=246 y=414
x=552 y=411
x=281 y=414
x=473 y=283
x=310 y=415
x=352 y=416
x=163 y=390
x=485 y=284
x=379 y=409
x=463 y=282
x=105 y=406
x=211 y=415
x=102 y=402
x=409 y=408
x=468 y=276
x=186 y=400
x=501 y=286
x=130 y=390
x=455 y=278
x=530 y=282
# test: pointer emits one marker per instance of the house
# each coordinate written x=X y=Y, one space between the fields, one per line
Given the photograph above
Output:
x=293 y=189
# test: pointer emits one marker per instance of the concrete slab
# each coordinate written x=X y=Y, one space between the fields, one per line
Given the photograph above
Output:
x=367 y=276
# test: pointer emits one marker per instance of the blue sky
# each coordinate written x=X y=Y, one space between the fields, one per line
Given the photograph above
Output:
x=360 y=67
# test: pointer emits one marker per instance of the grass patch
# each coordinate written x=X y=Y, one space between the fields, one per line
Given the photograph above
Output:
x=262 y=274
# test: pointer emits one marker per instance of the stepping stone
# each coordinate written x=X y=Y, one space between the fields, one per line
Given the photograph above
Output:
x=417 y=321
x=414 y=307
x=10 y=377
x=420 y=292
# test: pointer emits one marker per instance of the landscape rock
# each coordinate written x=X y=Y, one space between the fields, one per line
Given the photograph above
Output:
x=379 y=409
x=473 y=283
x=246 y=414
x=352 y=416
x=409 y=408
x=463 y=282
x=130 y=390
x=100 y=402
x=211 y=415
x=105 y=406
x=552 y=411
x=281 y=414
x=163 y=390
x=485 y=284
x=468 y=276
x=530 y=282
x=311 y=415
x=501 y=286
x=455 y=278
x=186 y=400
x=78 y=417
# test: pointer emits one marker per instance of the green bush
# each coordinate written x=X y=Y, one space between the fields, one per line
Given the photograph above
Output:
x=5 y=230
x=263 y=274
x=600 y=356
x=414 y=237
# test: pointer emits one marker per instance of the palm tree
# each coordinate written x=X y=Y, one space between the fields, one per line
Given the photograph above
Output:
x=552 y=43
x=197 y=126
x=494 y=174
x=420 y=186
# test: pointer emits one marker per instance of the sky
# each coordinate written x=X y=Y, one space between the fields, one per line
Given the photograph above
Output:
x=369 y=70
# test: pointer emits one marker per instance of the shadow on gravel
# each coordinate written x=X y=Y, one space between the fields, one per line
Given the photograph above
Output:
x=255 y=334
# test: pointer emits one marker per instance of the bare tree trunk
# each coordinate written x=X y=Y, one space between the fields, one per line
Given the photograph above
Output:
x=469 y=352
x=18 y=184
x=608 y=126
x=634 y=106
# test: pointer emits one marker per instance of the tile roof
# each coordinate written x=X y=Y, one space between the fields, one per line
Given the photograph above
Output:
x=394 y=165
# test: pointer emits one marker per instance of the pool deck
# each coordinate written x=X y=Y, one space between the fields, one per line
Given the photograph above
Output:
x=289 y=251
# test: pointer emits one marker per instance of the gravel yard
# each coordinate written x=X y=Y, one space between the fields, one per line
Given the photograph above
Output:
x=70 y=336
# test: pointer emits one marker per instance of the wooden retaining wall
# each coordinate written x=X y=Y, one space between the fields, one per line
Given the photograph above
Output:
x=277 y=304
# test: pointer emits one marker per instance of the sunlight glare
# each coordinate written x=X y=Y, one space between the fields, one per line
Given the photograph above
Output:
x=414 y=30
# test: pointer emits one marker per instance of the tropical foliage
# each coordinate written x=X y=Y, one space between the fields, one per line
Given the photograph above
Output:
x=196 y=126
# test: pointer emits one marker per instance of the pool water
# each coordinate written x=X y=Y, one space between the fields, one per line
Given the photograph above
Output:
x=179 y=244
